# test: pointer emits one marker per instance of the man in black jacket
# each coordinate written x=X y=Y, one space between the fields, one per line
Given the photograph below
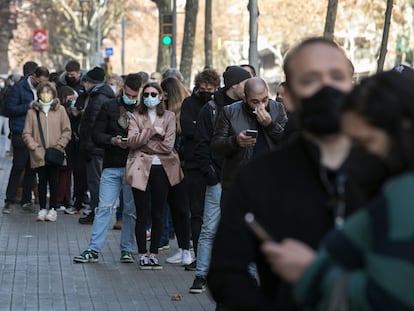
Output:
x=110 y=133
x=234 y=80
x=300 y=191
x=97 y=92
x=206 y=83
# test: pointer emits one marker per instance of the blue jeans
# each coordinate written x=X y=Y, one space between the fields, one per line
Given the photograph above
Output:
x=165 y=238
x=109 y=189
x=211 y=218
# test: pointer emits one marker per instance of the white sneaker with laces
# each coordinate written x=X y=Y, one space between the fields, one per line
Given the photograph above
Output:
x=176 y=258
x=186 y=258
x=52 y=215
x=61 y=209
x=41 y=216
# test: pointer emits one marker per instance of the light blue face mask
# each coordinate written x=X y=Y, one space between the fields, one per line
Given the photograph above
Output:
x=128 y=101
x=151 y=102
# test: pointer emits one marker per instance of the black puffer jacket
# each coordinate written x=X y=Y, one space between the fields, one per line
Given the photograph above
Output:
x=190 y=110
x=97 y=97
x=106 y=127
x=234 y=119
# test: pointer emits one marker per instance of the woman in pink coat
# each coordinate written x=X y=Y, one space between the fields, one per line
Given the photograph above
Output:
x=152 y=167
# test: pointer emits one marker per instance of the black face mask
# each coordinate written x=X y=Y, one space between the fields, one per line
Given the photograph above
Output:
x=70 y=80
x=320 y=113
x=205 y=96
x=367 y=171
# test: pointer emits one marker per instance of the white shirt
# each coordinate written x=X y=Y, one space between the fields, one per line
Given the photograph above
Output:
x=46 y=106
x=152 y=113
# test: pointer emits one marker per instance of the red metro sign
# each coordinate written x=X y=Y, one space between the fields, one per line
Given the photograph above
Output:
x=40 y=40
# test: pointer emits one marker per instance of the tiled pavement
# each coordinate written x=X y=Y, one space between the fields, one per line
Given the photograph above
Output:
x=37 y=272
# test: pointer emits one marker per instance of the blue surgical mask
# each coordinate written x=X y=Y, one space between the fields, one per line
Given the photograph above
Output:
x=151 y=102
x=113 y=87
x=128 y=101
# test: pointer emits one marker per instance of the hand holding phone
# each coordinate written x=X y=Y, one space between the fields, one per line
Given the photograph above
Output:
x=256 y=228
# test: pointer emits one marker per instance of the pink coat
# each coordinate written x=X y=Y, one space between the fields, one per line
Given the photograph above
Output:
x=144 y=143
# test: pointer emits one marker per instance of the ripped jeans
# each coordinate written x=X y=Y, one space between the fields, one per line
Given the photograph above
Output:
x=109 y=189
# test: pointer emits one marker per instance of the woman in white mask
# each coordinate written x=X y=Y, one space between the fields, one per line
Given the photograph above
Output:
x=152 y=167
x=47 y=118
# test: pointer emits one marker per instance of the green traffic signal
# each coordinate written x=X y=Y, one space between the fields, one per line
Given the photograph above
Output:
x=166 y=40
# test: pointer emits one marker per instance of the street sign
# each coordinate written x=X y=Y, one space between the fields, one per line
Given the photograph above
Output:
x=40 y=40
x=109 y=52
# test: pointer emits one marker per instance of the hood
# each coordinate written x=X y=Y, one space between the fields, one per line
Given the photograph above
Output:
x=103 y=89
x=38 y=106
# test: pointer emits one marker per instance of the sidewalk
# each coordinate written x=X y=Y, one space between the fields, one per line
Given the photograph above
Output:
x=37 y=272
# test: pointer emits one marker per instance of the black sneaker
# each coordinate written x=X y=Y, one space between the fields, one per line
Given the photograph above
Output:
x=7 y=208
x=27 y=207
x=126 y=257
x=87 y=220
x=144 y=263
x=87 y=256
x=192 y=266
x=153 y=262
x=199 y=285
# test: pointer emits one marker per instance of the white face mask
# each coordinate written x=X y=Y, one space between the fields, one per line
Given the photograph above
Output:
x=2 y=85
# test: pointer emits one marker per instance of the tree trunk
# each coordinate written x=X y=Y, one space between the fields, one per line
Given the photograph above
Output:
x=208 y=35
x=8 y=21
x=330 y=19
x=191 y=9
x=384 y=42
x=253 y=34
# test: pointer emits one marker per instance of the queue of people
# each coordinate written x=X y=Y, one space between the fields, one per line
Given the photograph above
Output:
x=326 y=165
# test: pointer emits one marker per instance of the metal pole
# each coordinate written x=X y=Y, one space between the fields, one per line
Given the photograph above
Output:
x=98 y=39
x=253 y=31
x=174 y=33
x=123 y=45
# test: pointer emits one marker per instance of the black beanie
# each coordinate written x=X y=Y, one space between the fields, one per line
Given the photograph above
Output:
x=95 y=75
x=234 y=75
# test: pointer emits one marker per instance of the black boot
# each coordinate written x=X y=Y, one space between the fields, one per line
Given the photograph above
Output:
x=87 y=220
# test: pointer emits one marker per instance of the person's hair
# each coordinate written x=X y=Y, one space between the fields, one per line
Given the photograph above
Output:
x=287 y=66
x=72 y=65
x=41 y=72
x=251 y=68
x=54 y=77
x=63 y=92
x=173 y=72
x=47 y=84
x=386 y=101
x=281 y=84
x=133 y=81
x=29 y=67
x=117 y=78
x=176 y=93
x=144 y=76
x=208 y=75
x=252 y=83
x=142 y=109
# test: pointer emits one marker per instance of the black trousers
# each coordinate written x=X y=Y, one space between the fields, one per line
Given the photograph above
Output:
x=152 y=199
x=21 y=164
x=180 y=214
x=196 y=190
x=48 y=175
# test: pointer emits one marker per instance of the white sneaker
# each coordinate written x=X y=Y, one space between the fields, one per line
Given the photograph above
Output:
x=52 y=215
x=176 y=258
x=41 y=216
x=186 y=258
x=61 y=209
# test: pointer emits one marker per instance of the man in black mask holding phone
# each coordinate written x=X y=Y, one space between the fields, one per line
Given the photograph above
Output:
x=299 y=191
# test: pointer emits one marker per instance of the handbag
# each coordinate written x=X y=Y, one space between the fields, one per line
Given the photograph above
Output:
x=53 y=156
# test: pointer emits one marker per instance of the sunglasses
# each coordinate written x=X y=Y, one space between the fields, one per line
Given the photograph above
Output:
x=153 y=94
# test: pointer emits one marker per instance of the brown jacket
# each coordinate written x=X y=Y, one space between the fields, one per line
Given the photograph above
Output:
x=144 y=143
x=56 y=130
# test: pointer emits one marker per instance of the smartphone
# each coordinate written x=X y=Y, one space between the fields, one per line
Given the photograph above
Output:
x=124 y=138
x=251 y=133
x=257 y=228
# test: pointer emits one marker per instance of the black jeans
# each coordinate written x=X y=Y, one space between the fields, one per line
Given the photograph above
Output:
x=93 y=173
x=196 y=191
x=48 y=174
x=156 y=195
x=21 y=164
x=80 y=185
x=180 y=214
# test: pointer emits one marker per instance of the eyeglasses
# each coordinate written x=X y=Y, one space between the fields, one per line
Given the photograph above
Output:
x=153 y=94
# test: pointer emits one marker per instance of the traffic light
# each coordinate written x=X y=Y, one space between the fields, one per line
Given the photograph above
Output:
x=167 y=29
